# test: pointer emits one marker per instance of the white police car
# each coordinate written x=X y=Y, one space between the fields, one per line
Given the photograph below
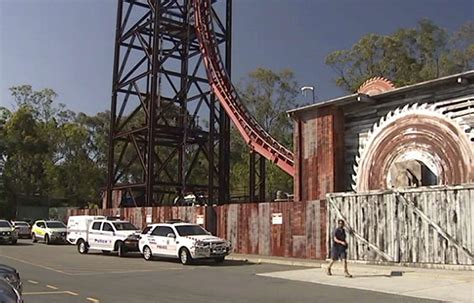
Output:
x=182 y=240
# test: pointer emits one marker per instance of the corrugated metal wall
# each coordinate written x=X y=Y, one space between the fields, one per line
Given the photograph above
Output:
x=301 y=234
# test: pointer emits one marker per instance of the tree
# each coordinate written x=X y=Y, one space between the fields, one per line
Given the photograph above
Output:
x=267 y=95
x=50 y=153
x=408 y=56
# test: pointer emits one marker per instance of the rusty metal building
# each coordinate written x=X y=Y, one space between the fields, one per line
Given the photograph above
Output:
x=385 y=137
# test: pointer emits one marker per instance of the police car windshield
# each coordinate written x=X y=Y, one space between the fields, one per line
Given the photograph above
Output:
x=124 y=226
x=55 y=225
x=190 y=230
x=4 y=224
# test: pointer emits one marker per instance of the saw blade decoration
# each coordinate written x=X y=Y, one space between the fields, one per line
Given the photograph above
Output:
x=376 y=85
x=414 y=109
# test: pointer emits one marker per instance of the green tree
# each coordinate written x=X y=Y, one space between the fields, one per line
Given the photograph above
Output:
x=267 y=95
x=408 y=56
x=50 y=153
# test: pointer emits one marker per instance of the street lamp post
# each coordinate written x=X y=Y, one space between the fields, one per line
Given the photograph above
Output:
x=304 y=89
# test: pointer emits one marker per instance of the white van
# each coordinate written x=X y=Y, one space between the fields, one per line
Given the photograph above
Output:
x=77 y=227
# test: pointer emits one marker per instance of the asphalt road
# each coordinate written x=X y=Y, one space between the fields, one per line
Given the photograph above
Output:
x=58 y=273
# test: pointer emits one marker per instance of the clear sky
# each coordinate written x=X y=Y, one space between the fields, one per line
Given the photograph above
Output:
x=67 y=45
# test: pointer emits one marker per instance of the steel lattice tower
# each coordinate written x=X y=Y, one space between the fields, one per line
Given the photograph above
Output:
x=168 y=134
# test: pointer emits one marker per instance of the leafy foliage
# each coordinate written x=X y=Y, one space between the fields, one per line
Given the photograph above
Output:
x=408 y=56
x=267 y=95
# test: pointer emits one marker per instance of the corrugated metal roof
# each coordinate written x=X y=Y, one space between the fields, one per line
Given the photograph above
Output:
x=353 y=97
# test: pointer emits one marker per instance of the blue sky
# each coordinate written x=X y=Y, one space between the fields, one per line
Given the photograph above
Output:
x=67 y=45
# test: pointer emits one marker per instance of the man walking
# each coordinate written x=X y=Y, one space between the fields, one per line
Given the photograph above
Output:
x=339 y=248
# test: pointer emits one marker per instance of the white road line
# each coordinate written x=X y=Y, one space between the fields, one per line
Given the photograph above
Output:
x=32 y=282
x=72 y=293
x=37 y=265
x=34 y=293
x=93 y=300
x=51 y=286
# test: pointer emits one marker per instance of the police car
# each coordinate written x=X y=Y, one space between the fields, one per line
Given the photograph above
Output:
x=49 y=231
x=107 y=235
x=182 y=240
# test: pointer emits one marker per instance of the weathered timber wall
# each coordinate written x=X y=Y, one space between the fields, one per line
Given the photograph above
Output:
x=431 y=225
x=249 y=226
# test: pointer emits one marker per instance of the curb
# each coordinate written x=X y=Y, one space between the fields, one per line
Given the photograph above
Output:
x=260 y=259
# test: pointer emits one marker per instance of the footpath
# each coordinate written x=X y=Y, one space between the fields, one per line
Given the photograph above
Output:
x=436 y=284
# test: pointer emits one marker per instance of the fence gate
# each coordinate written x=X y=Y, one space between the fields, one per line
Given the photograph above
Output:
x=424 y=225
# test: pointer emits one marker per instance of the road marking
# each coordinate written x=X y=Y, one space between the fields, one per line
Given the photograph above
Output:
x=93 y=300
x=51 y=286
x=122 y=272
x=37 y=265
x=34 y=293
x=32 y=282
x=72 y=293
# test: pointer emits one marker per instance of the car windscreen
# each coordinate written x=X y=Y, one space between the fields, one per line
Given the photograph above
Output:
x=55 y=225
x=5 y=224
x=21 y=224
x=190 y=230
x=124 y=226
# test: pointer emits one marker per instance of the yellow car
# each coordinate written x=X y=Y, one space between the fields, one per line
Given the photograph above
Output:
x=49 y=231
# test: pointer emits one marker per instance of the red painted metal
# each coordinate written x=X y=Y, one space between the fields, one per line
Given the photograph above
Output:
x=254 y=135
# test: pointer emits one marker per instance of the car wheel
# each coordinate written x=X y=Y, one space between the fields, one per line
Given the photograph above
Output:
x=46 y=240
x=82 y=247
x=147 y=254
x=185 y=256
x=219 y=260
x=33 y=236
x=121 y=249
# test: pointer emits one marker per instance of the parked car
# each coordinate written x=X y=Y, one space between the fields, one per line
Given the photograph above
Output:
x=8 y=293
x=12 y=276
x=49 y=231
x=8 y=234
x=23 y=229
x=107 y=235
x=184 y=241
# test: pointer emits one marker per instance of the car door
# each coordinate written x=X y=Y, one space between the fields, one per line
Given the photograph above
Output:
x=94 y=235
x=155 y=242
x=168 y=237
x=40 y=230
x=107 y=236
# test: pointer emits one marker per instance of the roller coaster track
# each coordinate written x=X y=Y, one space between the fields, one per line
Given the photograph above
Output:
x=254 y=135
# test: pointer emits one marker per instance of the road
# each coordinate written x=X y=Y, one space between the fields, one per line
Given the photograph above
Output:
x=58 y=273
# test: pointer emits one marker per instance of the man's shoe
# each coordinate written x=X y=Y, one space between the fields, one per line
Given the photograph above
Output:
x=348 y=275
x=328 y=272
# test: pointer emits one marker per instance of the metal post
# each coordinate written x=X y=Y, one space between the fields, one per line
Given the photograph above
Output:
x=113 y=112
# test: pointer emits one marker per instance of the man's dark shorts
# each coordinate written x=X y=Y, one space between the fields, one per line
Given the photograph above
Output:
x=338 y=252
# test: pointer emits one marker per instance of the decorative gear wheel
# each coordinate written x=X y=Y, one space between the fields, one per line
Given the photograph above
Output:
x=376 y=85
x=403 y=117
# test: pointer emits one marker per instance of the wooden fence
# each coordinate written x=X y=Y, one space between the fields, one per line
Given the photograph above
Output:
x=429 y=225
